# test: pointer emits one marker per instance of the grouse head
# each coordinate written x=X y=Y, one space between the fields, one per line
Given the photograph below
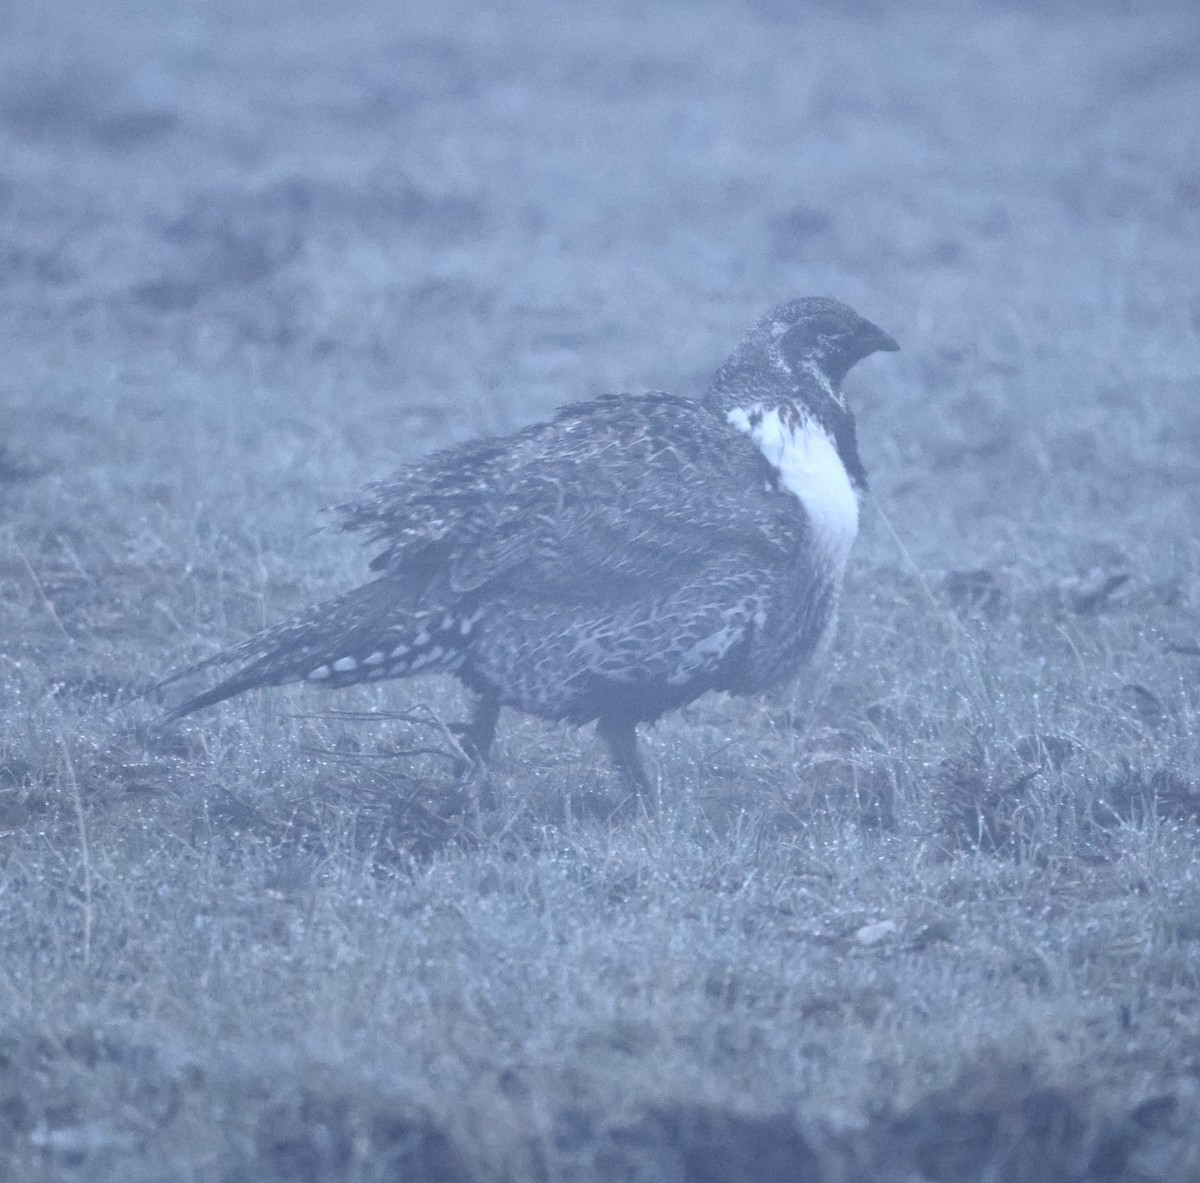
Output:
x=792 y=362
x=813 y=339
x=825 y=335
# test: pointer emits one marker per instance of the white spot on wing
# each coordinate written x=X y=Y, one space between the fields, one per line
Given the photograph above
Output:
x=810 y=469
x=320 y=673
x=376 y=658
x=344 y=665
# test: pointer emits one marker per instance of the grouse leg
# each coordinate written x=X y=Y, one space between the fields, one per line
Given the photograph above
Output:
x=479 y=734
x=620 y=737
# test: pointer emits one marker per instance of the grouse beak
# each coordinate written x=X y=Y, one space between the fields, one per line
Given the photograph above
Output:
x=872 y=339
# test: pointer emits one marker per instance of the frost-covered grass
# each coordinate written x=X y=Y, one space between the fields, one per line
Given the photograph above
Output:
x=945 y=926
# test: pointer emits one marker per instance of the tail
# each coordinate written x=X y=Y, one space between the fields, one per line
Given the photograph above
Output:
x=367 y=634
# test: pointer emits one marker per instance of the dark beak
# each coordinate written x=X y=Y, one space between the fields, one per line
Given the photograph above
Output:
x=872 y=339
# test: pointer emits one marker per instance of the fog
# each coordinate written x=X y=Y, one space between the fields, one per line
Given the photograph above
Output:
x=253 y=256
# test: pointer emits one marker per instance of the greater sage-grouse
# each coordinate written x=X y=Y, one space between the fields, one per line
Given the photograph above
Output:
x=614 y=563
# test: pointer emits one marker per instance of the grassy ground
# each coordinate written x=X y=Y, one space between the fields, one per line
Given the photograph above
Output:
x=945 y=927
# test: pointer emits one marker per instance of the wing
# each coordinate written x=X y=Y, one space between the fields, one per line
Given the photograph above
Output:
x=628 y=540
x=613 y=495
x=629 y=552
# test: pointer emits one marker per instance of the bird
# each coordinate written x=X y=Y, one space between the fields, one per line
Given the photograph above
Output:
x=613 y=563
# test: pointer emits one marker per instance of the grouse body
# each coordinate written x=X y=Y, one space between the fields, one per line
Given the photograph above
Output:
x=614 y=563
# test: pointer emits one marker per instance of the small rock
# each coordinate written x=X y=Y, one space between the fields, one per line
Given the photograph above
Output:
x=872 y=934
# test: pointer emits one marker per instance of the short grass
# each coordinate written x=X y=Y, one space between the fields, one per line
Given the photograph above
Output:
x=941 y=924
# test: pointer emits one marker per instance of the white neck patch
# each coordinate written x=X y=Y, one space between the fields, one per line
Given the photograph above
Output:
x=811 y=469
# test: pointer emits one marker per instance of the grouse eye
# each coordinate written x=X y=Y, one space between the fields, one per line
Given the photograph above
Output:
x=802 y=341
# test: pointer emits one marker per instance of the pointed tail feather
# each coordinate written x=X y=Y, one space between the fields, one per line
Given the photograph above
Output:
x=367 y=634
